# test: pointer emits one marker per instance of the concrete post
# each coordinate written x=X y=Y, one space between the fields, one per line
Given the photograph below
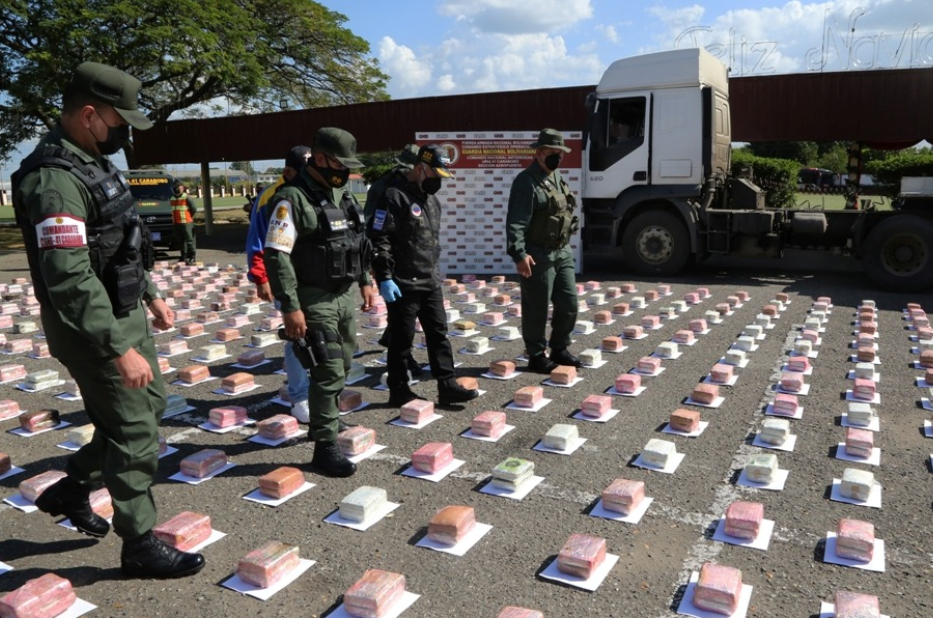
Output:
x=208 y=201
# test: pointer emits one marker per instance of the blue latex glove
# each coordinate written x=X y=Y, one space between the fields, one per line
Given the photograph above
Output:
x=390 y=291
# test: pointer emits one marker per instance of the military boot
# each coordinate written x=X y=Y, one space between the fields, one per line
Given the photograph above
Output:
x=452 y=392
x=67 y=497
x=541 y=364
x=148 y=557
x=564 y=357
x=330 y=461
x=398 y=397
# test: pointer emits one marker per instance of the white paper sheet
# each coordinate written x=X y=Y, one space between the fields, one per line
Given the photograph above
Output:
x=873 y=460
x=693 y=434
x=874 y=497
x=633 y=517
x=523 y=491
x=366 y=524
x=257 y=439
x=264 y=594
x=211 y=427
x=760 y=542
x=592 y=583
x=537 y=407
x=261 y=498
x=687 y=608
x=777 y=483
x=434 y=477
x=605 y=418
x=571 y=448
x=875 y=564
x=616 y=393
x=673 y=462
x=690 y=401
x=398 y=422
x=462 y=546
x=19 y=431
x=787 y=446
x=191 y=480
x=407 y=600
x=575 y=381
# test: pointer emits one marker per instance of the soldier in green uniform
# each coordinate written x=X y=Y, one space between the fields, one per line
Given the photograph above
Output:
x=87 y=256
x=539 y=224
x=315 y=250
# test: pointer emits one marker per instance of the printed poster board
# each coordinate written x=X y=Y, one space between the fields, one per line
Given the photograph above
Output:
x=475 y=202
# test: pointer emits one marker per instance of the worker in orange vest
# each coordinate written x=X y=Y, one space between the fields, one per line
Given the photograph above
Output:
x=183 y=212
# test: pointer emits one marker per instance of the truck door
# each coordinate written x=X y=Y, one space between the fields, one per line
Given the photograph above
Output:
x=618 y=153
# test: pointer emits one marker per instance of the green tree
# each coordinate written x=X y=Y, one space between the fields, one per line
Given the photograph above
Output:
x=244 y=166
x=189 y=54
x=804 y=153
x=835 y=159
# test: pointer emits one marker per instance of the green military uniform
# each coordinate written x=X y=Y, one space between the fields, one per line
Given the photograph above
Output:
x=331 y=311
x=539 y=222
x=85 y=335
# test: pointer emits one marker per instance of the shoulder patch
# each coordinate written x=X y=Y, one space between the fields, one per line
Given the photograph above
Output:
x=282 y=233
x=61 y=231
x=51 y=201
x=379 y=220
x=416 y=210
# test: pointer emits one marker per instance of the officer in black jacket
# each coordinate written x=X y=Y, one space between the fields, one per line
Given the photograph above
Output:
x=405 y=230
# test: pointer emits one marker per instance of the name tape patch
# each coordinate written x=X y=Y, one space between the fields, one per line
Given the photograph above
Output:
x=282 y=232
x=61 y=232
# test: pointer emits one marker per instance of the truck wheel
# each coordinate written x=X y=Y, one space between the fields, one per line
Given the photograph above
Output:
x=656 y=243
x=898 y=254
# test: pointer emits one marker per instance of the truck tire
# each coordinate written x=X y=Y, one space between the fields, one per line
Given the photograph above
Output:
x=656 y=243
x=898 y=254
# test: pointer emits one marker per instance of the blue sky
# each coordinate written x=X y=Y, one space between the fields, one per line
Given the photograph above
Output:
x=463 y=46
x=459 y=46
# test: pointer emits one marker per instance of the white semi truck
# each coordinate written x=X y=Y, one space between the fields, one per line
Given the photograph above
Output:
x=658 y=187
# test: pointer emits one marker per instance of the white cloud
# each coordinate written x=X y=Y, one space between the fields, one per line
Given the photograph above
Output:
x=407 y=70
x=608 y=31
x=446 y=83
x=800 y=36
x=511 y=17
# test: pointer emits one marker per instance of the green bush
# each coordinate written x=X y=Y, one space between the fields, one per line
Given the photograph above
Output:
x=776 y=177
x=888 y=172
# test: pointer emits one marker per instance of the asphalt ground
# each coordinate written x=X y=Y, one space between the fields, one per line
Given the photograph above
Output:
x=656 y=556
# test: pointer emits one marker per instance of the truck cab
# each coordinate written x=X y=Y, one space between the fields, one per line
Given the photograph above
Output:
x=658 y=147
x=153 y=192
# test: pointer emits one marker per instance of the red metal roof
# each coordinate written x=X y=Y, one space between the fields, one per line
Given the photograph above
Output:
x=868 y=106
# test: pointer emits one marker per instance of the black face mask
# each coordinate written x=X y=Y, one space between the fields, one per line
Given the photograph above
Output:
x=116 y=139
x=431 y=185
x=335 y=178
x=552 y=162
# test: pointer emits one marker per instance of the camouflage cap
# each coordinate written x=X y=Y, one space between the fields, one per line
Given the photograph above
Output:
x=114 y=87
x=550 y=138
x=408 y=156
x=437 y=158
x=338 y=144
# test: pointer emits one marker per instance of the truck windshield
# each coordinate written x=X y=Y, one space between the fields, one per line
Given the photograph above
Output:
x=150 y=188
x=616 y=129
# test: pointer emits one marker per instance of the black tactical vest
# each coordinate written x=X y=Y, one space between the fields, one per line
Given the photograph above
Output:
x=338 y=252
x=552 y=227
x=117 y=241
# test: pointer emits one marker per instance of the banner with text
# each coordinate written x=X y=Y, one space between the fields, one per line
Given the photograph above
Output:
x=475 y=202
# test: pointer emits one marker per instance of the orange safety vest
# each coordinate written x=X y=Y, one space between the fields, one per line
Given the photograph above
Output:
x=180 y=212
